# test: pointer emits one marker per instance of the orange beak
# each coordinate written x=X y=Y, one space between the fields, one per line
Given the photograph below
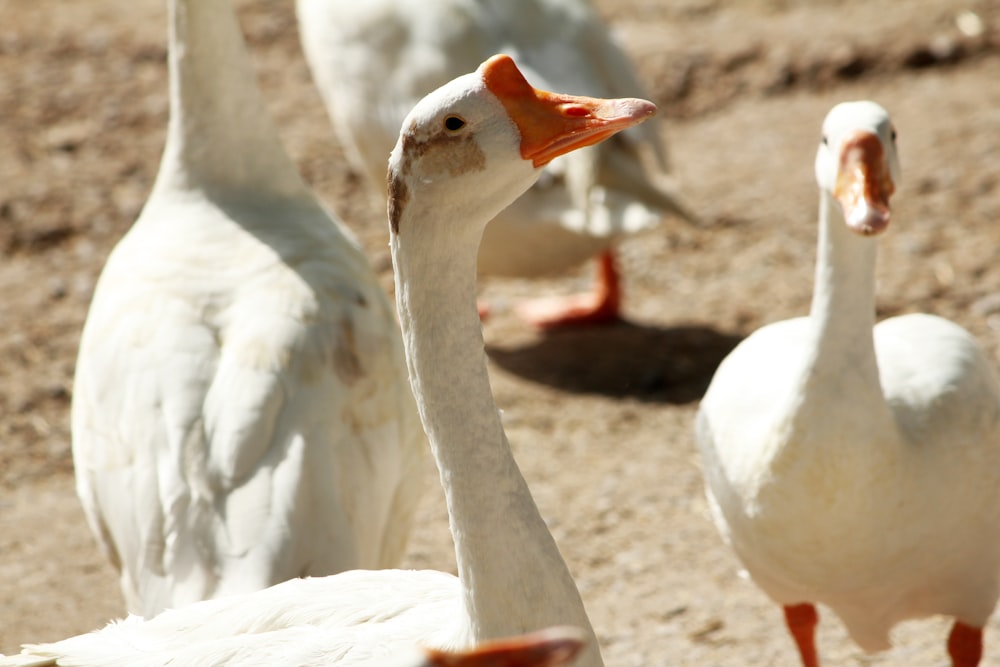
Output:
x=863 y=184
x=551 y=124
x=545 y=648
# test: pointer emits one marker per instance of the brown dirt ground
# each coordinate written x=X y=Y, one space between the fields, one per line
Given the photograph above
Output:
x=600 y=419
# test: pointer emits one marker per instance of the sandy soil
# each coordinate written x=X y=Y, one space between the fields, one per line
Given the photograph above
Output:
x=601 y=419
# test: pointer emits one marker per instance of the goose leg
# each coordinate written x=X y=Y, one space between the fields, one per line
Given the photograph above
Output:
x=802 y=620
x=600 y=306
x=965 y=645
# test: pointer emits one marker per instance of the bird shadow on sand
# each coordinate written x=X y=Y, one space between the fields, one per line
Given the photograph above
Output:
x=624 y=360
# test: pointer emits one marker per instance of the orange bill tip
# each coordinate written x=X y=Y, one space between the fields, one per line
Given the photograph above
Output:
x=546 y=648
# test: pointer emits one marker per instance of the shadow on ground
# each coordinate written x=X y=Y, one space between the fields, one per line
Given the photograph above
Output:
x=666 y=365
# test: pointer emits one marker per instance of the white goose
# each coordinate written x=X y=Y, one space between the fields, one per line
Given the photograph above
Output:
x=373 y=60
x=465 y=151
x=857 y=465
x=241 y=411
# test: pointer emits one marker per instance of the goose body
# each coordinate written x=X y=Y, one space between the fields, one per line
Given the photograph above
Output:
x=465 y=151
x=373 y=60
x=853 y=464
x=299 y=646
x=241 y=411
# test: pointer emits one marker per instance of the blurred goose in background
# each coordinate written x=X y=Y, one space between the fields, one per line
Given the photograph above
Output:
x=852 y=464
x=373 y=60
x=241 y=410
x=466 y=151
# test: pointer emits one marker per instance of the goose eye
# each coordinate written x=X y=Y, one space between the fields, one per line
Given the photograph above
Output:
x=893 y=134
x=453 y=123
x=824 y=140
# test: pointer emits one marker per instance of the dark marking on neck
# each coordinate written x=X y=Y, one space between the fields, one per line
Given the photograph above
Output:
x=442 y=152
x=399 y=194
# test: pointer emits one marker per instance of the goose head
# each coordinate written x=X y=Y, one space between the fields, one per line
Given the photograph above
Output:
x=479 y=142
x=857 y=165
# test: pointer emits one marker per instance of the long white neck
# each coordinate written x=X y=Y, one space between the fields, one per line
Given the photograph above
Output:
x=513 y=576
x=843 y=366
x=220 y=136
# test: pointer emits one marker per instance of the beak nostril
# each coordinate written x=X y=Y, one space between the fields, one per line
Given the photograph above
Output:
x=576 y=111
